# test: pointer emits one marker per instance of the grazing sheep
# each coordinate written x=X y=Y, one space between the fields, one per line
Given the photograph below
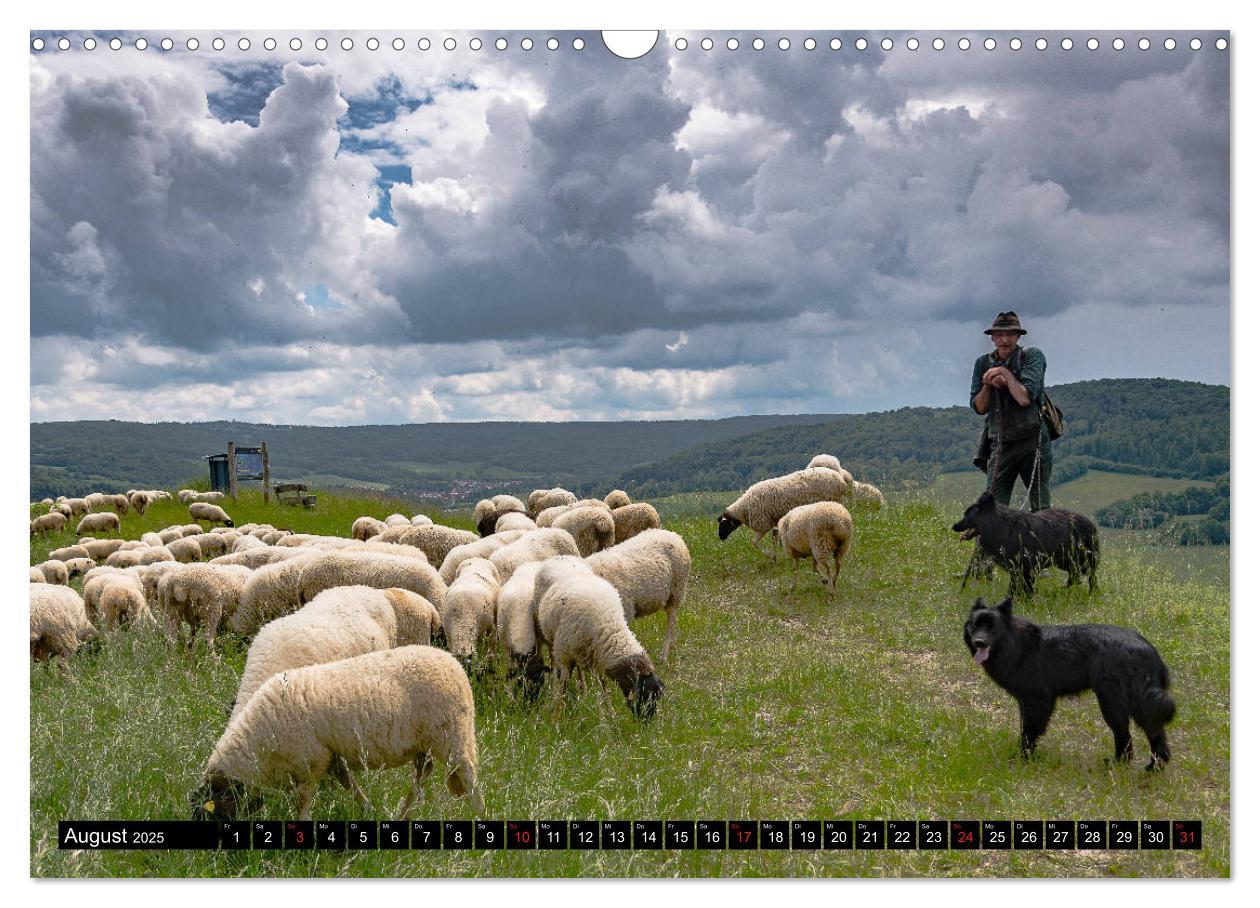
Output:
x=77 y=506
x=185 y=550
x=541 y=499
x=100 y=549
x=822 y=530
x=170 y=533
x=124 y=604
x=125 y=558
x=140 y=502
x=210 y=513
x=205 y=497
x=58 y=623
x=481 y=509
x=865 y=493
x=129 y=544
x=257 y=557
x=37 y=576
x=63 y=509
x=592 y=528
x=106 y=522
x=388 y=548
x=580 y=617
x=481 y=548
x=421 y=520
x=275 y=536
x=65 y=553
x=633 y=519
x=337 y=624
x=468 y=613
x=487 y=524
x=616 y=499
x=212 y=544
x=271 y=592
x=202 y=595
x=185 y=496
x=650 y=572
x=831 y=462
x=435 y=541
x=77 y=567
x=150 y=576
x=397 y=519
x=536 y=545
x=245 y=543
x=366 y=527
x=54 y=571
x=513 y=520
x=98 y=501
x=119 y=503
x=369 y=569
x=53 y=522
x=514 y=624
x=548 y=514
x=409 y=705
x=507 y=503
x=95 y=584
x=765 y=502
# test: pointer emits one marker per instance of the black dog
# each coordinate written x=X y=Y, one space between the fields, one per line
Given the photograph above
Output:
x=1037 y=665
x=1024 y=542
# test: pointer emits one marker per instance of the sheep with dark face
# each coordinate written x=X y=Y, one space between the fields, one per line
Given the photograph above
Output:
x=764 y=504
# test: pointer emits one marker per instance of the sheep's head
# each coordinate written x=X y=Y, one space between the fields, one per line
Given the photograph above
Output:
x=221 y=798
x=636 y=676
x=727 y=524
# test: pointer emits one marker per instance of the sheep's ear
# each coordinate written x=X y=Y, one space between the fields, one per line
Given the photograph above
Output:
x=1005 y=606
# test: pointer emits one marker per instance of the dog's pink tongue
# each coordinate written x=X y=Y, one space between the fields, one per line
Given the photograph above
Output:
x=982 y=653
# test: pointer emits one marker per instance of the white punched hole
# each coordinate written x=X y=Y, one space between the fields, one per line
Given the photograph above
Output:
x=1221 y=44
x=500 y=44
x=990 y=44
x=1144 y=43
x=912 y=44
x=964 y=44
x=732 y=44
x=1195 y=44
x=167 y=44
x=810 y=44
x=63 y=44
x=295 y=44
x=886 y=44
x=321 y=44
x=1118 y=44
x=706 y=44
x=1066 y=44
x=1042 y=44
x=784 y=44
x=1092 y=44
x=373 y=44
x=578 y=44
x=37 y=44
x=860 y=44
x=628 y=45
x=90 y=43
x=396 y=44
x=217 y=44
x=680 y=44
x=1170 y=44
x=938 y=44
x=424 y=44
x=142 y=44
x=269 y=44
x=1016 y=44
x=449 y=43
x=243 y=44
x=527 y=44
x=347 y=44
x=835 y=44
x=552 y=44
x=759 y=44
x=475 y=44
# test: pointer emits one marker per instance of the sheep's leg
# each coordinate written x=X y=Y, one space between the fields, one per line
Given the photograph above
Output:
x=671 y=632
x=341 y=772
x=422 y=766
x=306 y=794
x=756 y=544
x=562 y=686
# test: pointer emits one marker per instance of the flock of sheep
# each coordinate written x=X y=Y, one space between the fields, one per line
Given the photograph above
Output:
x=341 y=672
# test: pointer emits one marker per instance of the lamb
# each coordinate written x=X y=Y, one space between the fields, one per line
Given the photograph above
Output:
x=865 y=493
x=536 y=545
x=140 y=502
x=541 y=499
x=396 y=520
x=211 y=513
x=203 y=595
x=481 y=548
x=52 y=522
x=514 y=520
x=822 y=530
x=765 y=502
x=632 y=519
x=616 y=499
x=468 y=613
x=66 y=552
x=411 y=705
x=271 y=592
x=366 y=527
x=106 y=522
x=100 y=549
x=592 y=528
x=580 y=617
x=58 y=623
x=54 y=571
x=337 y=624
x=184 y=550
x=650 y=572
x=421 y=520
x=369 y=569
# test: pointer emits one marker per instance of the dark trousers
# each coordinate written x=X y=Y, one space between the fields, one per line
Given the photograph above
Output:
x=1016 y=458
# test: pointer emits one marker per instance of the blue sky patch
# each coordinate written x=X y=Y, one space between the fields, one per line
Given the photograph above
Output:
x=389 y=174
x=246 y=92
x=318 y=297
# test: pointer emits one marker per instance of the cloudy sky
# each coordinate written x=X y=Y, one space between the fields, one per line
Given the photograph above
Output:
x=388 y=236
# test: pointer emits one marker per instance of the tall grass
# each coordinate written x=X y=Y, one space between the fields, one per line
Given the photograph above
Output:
x=779 y=705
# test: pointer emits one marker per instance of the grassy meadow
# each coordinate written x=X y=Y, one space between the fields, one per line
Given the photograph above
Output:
x=779 y=705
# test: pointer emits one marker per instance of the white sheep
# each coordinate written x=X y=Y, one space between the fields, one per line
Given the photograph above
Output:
x=201 y=595
x=514 y=623
x=205 y=497
x=212 y=545
x=632 y=519
x=124 y=558
x=435 y=540
x=421 y=520
x=100 y=549
x=548 y=514
x=106 y=522
x=169 y=533
x=54 y=571
x=184 y=549
x=271 y=592
x=77 y=506
x=650 y=572
x=822 y=530
x=36 y=575
x=580 y=617
x=58 y=623
x=123 y=603
x=119 y=502
x=617 y=498
x=66 y=552
x=536 y=545
x=140 y=502
x=366 y=527
x=507 y=503
x=397 y=520
x=468 y=613
x=592 y=528
x=53 y=522
x=409 y=705
x=513 y=520
x=98 y=501
x=541 y=499
x=184 y=496
x=867 y=494
x=480 y=548
x=338 y=623
x=374 y=569
x=211 y=513
x=761 y=506
x=245 y=543
x=77 y=567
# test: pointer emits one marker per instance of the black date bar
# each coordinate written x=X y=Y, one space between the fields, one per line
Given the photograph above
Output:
x=101 y=835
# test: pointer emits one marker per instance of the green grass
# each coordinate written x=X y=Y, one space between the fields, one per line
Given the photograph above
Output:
x=780 y=705
x=1086 y=494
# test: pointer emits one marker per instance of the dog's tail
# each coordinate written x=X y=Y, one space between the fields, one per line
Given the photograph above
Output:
x=1156 y=708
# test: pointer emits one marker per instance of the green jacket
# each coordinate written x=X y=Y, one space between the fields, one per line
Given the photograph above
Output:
x=1029 y=366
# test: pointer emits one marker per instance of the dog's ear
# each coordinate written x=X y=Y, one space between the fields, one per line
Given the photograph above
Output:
x=978 y=604
x=1004 y=606
x=986 y=501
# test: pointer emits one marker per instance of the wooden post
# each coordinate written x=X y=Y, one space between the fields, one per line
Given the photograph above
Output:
x=266 y=475
x=232 y=469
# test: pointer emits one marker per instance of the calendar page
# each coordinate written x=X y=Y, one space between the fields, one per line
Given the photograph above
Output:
x=705 y=454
